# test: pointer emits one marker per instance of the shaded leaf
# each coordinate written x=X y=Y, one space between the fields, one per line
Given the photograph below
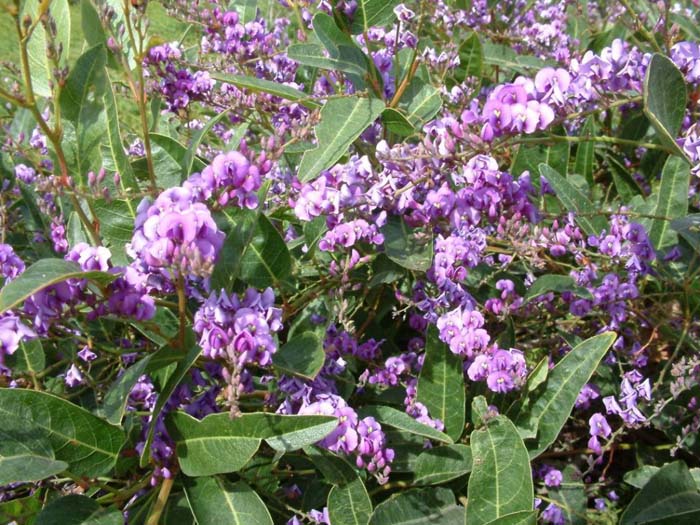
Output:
x=26 y=455
x=406 y=247
x=78 y=510
x=259 y=85
x=471 y=57
x=555 y=283
x=585 y=153
x=303 y=356
x=265 y=260
x=349 y=504
x=417 y=506
x=114 y=404
x=671 y=201
x=441 y=464
x=372 y=13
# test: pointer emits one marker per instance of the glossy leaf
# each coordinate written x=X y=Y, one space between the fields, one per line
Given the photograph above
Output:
x=574 y=200
x=349 y=504
x=265 y=260
x=218 y=444
x=441 y=464
x=302 y=356
x=214 y=500
x=78 y=510
x=391 y=417
x=88 y=444
x=42 y=274
x=501 y=479
x=671 y=201
x=259 y=85
x=441 y=385
x=665 y=98
x=552 y=408
x=429 y=505
x=342 y=121
x=670 y=497
x=406 y=247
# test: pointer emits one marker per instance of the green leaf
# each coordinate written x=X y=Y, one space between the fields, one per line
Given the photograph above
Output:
x=78 y=510
x=501 y=479
x=551 y=410
x=665 y=97
x=640 y=476
x=16 y=510
x=26 y=455
x=407 y=248
x=671 y=201
x=243 y=224
x=625 y=184
x=524 y=517
x=116 y=218
x=115 y=399
x=191 y=153
x=342 y=121
x=42 y=274
x=419 y=506
x=585 y=153
x=372 y=13
x=87 y=443
x=349 y=504
x=441 y=464
x=420 y=102
x=115 y=143
x=87 y=72
x=688 y=227
x=218 y=444
x=41 y=67
x=342 y=47
x=91 y=25
x=670 y=497
x=471 y=58
x=301 y=356
x=441 y=384
x=575 y=201
x=265 y=260
x=168 y=160
x=183 y=367
x=214 y=500
x=334 y=469
x=555 y=283
x=397 y=419
x=259 y=85
x=396 y=122
x=503 y=56
x=530 y=156
x=29 y=357
x=314 y=55
x=571 y=496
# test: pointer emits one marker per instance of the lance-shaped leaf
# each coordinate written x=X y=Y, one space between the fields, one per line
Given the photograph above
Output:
x=406 y=247
x=441 y=385
x=665 y=97
x=259 y=85
x=391 y=417
x=218 y=444
x=440 y=464
x=670 y=497
x=349 y=503
x=78 y=510
x=372 y=13
x=671 y=201
x=574 y=200
x=314 y=55
x=88 y=444
x=525 y=517
x=191 y=154
x=214 y=500
x=115 y=143
x=501 y=479
x=303 y=356
x=585 y=153
x=342 y=121
x=428 y=505
x=471 y=58
x=552 y=408
x=115 y=399
x=555 y=283
x=43 y=274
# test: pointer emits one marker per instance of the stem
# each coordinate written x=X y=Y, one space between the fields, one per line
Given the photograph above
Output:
x=162 y=499
x=182 y=309
x=642 y=29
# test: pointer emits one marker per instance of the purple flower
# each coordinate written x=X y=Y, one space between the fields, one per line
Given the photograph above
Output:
x=553 y=478
x=73 y=377
x=599 y=426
